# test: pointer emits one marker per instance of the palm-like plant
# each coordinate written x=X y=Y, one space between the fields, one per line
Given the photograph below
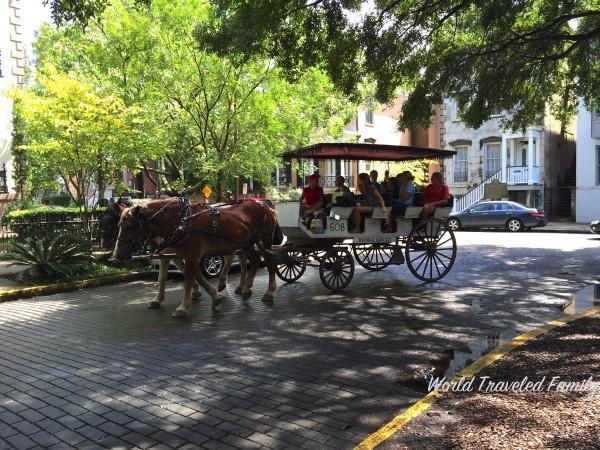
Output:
x=48 y=256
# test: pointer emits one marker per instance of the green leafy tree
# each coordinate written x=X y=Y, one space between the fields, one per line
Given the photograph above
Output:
x=218 y=117
x=492 y=56
x=79 y=134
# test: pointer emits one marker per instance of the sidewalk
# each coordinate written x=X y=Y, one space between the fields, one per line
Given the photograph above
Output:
x=7 y=269
x=564 y=227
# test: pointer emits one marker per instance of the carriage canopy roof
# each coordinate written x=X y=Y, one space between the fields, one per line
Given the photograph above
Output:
x=367 y=152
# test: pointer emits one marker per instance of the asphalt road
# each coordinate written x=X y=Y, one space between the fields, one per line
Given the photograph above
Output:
x=95 y=369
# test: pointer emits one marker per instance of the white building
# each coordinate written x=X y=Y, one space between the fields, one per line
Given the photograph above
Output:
x=588 y=165
x=12 y=72
x=537 y=164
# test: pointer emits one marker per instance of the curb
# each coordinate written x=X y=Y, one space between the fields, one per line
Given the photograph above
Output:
x=541 y=230
x=17 y=294
x=422 y=405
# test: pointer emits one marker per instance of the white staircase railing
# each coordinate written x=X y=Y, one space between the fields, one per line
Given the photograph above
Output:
x=475 y=194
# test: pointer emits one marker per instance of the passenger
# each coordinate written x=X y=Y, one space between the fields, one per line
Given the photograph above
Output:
x=370 y=198
x=405 y=194
x=312 y=198
x=340 y=184
x=373 y=176
x=388 y=184
x=436 y=195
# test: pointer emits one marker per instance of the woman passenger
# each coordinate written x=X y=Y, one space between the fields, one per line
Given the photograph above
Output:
x=436 y=195
x=370 y=198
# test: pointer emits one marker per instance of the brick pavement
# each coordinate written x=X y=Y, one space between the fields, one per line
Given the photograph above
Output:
x=95 y=369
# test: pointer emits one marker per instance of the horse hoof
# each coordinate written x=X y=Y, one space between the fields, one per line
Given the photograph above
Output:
x=246 y=295
x=179 y=313
x=267 y=298
x=238 y=290
x=221 y=287
x=154 y=304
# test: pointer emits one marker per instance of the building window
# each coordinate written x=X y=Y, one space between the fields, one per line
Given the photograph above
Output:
x=595 y=125
x=352 y=126
x=598 y=165
x=460 y=164
x=493 y=158
x=369 y=111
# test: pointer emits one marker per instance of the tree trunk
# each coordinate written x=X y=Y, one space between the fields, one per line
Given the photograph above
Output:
x=219 y=186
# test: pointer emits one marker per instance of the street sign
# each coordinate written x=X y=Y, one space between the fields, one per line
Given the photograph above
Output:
x=206 y=191
x=495 y=190
x=245 y=188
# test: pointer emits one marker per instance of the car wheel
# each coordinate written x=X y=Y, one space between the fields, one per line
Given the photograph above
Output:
x=514 y=225
x=454 y=224
x=212 y=266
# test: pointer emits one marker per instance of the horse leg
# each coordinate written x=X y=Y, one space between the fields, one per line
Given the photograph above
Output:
x=163 y=269
x=243 y=260
x=195 y=288
x=216 y=300
x=228 y=260
x=248 y=280
x=188 y=282
x=270 y=263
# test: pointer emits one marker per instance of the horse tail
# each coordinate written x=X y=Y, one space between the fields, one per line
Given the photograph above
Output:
x=277 y=233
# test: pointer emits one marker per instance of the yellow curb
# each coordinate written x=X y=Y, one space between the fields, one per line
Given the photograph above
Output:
x=16 y=294
x=373 y=440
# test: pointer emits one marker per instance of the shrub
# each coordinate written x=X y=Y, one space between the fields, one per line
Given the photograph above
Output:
x=57 y=200
x=42 y=221
x=47 y=257
x=283 y=194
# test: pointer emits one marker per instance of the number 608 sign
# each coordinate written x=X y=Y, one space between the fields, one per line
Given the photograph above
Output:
x=337 y=226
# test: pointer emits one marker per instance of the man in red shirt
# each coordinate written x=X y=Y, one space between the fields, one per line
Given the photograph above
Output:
x=312 y=196
x=436 y=195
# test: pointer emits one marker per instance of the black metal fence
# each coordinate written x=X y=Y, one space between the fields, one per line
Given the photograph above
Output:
x=48 y=225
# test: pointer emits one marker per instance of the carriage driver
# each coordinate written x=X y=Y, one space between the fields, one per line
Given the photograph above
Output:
x=312 y=198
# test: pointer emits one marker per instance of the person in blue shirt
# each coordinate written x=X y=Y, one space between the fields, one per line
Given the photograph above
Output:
x=406 y=193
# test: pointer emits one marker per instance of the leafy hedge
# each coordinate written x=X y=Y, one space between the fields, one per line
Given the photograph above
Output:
x=40 y=222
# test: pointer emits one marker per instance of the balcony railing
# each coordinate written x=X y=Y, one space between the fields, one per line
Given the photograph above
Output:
x=520 y=174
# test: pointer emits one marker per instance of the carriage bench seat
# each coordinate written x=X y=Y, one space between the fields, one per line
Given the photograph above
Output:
x=414 y=212
x=340 y=212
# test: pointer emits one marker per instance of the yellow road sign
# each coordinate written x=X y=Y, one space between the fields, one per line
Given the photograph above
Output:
x=206 y=191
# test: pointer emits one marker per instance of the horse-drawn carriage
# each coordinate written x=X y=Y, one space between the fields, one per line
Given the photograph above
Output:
x=427 y=246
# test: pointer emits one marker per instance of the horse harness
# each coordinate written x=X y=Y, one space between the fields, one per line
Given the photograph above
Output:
x=184 y=227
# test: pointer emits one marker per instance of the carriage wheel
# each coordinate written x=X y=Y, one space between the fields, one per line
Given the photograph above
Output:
x=430 y=250
x=336 y=269
x=292 y=268
x=373 y=256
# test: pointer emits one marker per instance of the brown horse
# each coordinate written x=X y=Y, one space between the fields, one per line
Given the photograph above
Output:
x=109 y=225
x=193 y=232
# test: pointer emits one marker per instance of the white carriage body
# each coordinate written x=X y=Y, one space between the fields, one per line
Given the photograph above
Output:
x=336 y=226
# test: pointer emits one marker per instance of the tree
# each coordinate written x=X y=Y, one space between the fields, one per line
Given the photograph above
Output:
x=79 y=134
x=491 y=56
x=219 y=117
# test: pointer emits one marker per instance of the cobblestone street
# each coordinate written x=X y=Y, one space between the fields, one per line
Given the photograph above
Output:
x=96 y=369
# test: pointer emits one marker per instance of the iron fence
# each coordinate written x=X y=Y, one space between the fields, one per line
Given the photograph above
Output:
x=36 y=229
